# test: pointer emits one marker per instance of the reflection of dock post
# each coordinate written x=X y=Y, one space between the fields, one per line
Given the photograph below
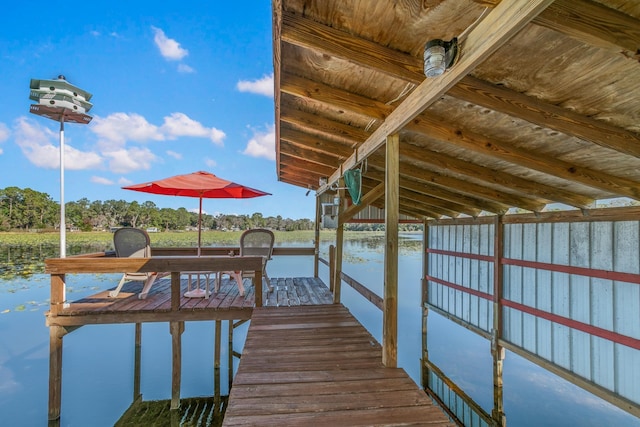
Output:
x=137 y=366
x=176 y=329
x=497 y=351
x=55 y=370
x=55 y=346
x=216 y=365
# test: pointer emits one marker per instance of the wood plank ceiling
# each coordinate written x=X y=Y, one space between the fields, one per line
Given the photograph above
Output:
x=541 y=108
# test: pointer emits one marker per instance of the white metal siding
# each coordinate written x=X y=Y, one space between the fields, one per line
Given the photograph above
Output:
x=606 y=304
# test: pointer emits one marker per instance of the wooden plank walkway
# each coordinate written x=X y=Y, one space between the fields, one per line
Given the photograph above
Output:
x=317 y=365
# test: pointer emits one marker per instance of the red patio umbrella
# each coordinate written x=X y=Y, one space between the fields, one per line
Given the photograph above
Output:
x=201 y=185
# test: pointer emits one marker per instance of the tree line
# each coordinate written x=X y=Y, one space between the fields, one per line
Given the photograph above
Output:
x=27 y=209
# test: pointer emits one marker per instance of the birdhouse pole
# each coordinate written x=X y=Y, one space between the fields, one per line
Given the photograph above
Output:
x=60 y=101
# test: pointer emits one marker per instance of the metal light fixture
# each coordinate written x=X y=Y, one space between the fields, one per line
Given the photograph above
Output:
x=439 y=55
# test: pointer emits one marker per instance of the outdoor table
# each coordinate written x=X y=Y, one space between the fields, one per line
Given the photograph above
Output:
x=197 y=292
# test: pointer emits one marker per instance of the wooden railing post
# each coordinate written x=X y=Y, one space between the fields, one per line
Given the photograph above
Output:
x=332 y=267
x=259 y=286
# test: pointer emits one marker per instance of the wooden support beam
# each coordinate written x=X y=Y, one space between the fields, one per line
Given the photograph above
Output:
x=321 y=126
x=467 y=187
x=316 y=237
x=585 y=20
x=543 y=193
x=442 y=193
x=502 y=23
x=497 y=351
x=367 y=199
x=391 y=209
x=555 y=167
x=546 y=115
x=316 y=143
x=298 y=151
x=324 y=94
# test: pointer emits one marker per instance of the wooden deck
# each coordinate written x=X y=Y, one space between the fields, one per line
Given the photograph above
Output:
x=224 y=305
x=318 y=365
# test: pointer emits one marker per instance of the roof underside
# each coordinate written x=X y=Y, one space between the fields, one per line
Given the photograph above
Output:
x=542 y=105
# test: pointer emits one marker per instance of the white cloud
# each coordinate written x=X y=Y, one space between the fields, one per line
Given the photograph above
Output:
x=4 y=134
x=210 y=162
x=124 y=182
x=129 y=160
x=101 y=180
x=175 y=155
x=179 y=124
x=117 y=128
x=36 y=144
x=262 y=144
x=263 y=86
x=184 y=68
x=169 y=48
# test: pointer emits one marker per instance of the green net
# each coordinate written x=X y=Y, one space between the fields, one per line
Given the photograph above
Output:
x=353 y=181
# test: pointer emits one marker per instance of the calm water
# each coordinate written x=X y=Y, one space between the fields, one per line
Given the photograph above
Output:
x=98 y=360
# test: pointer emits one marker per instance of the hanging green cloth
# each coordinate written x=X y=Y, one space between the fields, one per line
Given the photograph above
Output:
x=353 y=181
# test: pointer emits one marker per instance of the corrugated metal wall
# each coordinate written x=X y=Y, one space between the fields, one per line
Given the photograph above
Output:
x=607 y=304
x=466 y=272
x=581 y=301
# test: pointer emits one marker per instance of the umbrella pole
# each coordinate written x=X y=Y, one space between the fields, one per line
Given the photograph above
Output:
x=200 y=226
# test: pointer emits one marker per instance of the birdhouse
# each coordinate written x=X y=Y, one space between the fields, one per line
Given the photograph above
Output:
x=60 y=100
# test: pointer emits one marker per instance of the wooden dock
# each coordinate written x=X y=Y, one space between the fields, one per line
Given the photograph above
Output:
x=318 y=365
x=227 y=304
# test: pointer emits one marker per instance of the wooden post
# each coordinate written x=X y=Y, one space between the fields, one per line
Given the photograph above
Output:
x=391 y=212
x=316 y=241
x=175 y=290
x=337 y=271
x=257 y=279
x=230 y=355
x=176 y=329
x=497 y=351
x=55 y=370
x=424 y=372
x=137 y=362
x=57 y=294
x=332 y=267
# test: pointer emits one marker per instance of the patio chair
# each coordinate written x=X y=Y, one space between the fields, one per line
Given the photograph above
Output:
x=133 y=243
x=254 y=242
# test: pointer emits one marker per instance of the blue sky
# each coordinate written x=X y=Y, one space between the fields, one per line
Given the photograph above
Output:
x=177 y=88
